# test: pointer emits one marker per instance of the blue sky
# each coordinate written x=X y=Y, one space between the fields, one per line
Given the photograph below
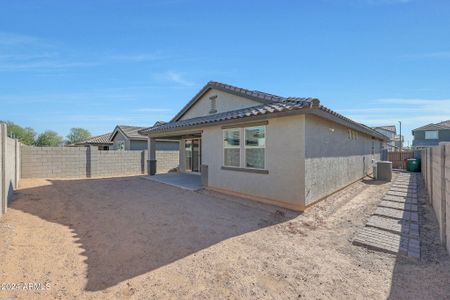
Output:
x=95 y=64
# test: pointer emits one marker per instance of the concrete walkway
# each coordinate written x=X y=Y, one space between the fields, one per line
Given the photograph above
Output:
x=185 y=181
x=394 y=226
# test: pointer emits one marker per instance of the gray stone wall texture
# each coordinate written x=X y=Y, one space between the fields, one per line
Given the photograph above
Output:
x=436 y=174
x=54 y=162
x=113 y=163
x=85 y=162
x=166 y=160
x=9 y=168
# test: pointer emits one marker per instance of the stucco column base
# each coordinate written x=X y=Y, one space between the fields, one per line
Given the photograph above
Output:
x=151 y=167
x=204 y=175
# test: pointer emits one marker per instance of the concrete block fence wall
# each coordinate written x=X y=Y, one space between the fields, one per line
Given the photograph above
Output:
x=436 y=173
x=9 y=168
x=166 y=161
x=86 y=162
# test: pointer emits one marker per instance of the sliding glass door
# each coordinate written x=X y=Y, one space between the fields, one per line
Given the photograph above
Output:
x=192 y=155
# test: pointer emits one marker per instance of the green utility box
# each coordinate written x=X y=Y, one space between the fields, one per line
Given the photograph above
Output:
x=413 y=165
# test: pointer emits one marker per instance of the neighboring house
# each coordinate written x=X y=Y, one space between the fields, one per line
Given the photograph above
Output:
x=394 y=143
x=431 y=135
x=391 y=132
x=291 y=152
x=126 y=137
x=101 y=141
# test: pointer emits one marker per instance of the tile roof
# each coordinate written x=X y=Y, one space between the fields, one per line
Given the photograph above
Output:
x=258 y=96
x=434 y=126
x=279 y=106
x=96 y=140
x=131 y=132
x=287 y=105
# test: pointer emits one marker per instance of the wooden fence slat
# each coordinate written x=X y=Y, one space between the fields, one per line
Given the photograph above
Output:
x=398 y=158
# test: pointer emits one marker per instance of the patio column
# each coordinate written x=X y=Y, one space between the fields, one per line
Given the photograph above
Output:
x=151 y=162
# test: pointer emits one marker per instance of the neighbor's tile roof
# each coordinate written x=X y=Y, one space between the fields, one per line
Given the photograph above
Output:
x=391 y=128
x=131 y=132
x=99 y=139
x=431 y=126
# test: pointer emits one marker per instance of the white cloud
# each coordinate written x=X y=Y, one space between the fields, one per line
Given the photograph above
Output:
x=412 y=112
x=175 y=77
x=13 y=39
x=140 y=57
x=27 y=53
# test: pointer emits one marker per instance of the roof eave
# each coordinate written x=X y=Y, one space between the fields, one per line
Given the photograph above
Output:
x=320 y=111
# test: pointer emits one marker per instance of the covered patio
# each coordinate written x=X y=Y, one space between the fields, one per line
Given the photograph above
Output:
x=189 y=154
x=187 y=181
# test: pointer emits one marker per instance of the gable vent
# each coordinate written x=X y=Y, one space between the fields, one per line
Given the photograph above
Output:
x=213 y=107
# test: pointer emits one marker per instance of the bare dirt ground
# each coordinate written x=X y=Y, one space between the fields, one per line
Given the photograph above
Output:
x=125 y=238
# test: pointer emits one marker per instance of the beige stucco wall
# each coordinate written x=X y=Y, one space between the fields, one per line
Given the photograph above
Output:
x=224 y=102
x=9 y=168
x=284 y=159
x=332 y=160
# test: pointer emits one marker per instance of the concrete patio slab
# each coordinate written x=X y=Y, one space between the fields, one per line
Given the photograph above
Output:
x=185 y=181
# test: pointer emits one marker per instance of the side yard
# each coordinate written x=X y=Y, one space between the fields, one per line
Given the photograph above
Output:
x=122 y=238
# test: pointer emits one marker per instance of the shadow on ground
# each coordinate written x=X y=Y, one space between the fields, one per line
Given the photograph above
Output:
x=130 y=226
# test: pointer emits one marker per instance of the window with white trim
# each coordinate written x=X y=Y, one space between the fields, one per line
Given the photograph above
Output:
x=252 y=148
x=121 y=145
x=232 y=147
x=255 y=147
x=352 y=135
x=431 y=135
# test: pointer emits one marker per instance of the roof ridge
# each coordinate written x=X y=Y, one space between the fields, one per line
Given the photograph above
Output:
x=255 y=95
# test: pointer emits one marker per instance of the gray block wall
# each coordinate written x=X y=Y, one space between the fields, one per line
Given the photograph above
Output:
x=54 y=162
x=84 y=162
x=112 y=163
x=166 y=160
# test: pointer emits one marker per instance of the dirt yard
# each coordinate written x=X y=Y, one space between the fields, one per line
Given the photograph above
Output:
x=132 y=238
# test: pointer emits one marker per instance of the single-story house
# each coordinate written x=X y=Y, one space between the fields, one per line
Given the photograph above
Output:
x=103 y=142
x=286 y=151
x=125 y=137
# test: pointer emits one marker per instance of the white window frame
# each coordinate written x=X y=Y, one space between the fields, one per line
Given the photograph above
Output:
x=231 y=147
x=121 y=145
x=255 y=147
x=242 y=147
x=435 y=133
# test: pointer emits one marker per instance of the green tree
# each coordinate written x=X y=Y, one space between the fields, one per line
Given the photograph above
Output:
x=77 y=135
x=49 y=138
x=24 y=135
